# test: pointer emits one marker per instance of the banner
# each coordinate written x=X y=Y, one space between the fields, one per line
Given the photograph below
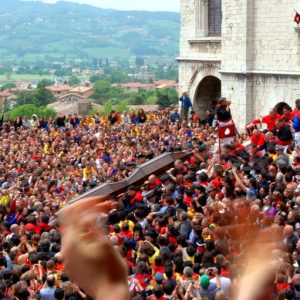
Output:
x=227 y=131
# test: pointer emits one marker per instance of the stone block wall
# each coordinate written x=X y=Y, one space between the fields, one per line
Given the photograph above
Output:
x=253 y=96
x=188 y=28
x=276 y=43
x=235 y=34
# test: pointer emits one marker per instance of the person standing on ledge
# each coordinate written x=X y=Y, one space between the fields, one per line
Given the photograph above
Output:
x=223 y=111
x=186 y=104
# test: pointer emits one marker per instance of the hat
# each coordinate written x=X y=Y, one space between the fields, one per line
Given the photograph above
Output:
x=189 y=145
x=204 y=281
x=158 y=277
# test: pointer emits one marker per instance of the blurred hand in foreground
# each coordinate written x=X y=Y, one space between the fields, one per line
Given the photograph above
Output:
x=90 y=260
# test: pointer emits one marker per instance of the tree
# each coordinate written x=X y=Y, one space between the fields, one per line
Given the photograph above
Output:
x=24 y=98
x=74 y=80
x=122 y=106
x=42 y=96
x=139 y=61
x=30 y=109
x=107 y=108
x=8 y=86
x=95 y=78
x=138 y=100
x=45 y=82
x=60 y=73
x=167 y=97
x=151 y=100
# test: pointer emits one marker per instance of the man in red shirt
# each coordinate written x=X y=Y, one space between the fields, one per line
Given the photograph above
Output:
x=270 y=120
x=258 y=138
x=288 y=114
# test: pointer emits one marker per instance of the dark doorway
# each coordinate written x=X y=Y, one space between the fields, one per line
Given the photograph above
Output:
x=207 y=95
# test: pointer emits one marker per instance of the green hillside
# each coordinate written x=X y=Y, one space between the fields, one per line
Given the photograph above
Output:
x=34 y=30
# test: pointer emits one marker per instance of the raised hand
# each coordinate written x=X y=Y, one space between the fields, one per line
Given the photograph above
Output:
x=90 y=260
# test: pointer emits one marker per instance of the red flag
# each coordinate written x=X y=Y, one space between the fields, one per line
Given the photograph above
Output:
x=297 y=18
x=226 y=131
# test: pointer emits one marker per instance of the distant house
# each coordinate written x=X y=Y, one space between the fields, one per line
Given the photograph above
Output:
x=136 y=86
x=164 y=83
x=72 y=103
x=83 y=91
x=59 y=90
x=76 y=70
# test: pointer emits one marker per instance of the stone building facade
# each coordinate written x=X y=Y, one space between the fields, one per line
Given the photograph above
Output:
x=245 y=50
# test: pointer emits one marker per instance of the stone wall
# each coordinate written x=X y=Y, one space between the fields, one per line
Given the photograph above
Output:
x=276 y=43
x=237 y=27
x=253 y=96
x=258 y=60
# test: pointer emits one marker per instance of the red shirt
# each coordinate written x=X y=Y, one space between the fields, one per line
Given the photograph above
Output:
x=44 y=226
x=157 y=183
x=270 y=121
x=288 y=117
x=158 y=269
x=258 y=140
x=126 y=234
x=187 y=201
x=32 y=227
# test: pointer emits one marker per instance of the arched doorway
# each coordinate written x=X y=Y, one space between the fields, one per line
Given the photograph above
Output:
x=207 y=94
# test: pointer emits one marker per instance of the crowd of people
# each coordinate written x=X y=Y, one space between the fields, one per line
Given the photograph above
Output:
x=182 y=235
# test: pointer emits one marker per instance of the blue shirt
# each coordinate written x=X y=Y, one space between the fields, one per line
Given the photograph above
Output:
x=47 y=293
x=185 y=102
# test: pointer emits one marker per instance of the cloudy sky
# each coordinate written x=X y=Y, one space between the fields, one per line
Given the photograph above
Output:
x=153 y=5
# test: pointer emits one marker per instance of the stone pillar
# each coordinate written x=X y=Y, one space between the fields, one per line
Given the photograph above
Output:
x=238 y=57
x=201 y=17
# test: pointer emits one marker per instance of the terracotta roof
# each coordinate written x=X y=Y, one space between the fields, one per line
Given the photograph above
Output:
x=137 y=85
x=72 y=95
x=59 y=88
x=5 y=93
x=81 y=89
x=166 y=83
x=16 y=90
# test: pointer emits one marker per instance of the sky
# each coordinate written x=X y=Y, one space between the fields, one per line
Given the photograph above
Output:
x=151 y=5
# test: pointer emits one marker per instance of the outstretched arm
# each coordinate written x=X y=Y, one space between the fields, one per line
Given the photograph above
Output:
x=90 y=259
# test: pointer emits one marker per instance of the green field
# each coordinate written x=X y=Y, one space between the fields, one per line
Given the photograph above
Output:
x=23 y=77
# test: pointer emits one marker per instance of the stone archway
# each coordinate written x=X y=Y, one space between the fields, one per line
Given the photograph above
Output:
x=207 y=94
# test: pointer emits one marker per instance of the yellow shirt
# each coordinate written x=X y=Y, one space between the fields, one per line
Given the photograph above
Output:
x=86 y=172
x=4 y=200
x=129 y=222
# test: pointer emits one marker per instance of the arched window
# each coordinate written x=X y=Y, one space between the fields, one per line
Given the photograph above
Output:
x=214 y=17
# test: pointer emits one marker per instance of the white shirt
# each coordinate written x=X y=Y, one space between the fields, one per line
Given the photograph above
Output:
x=225 y=284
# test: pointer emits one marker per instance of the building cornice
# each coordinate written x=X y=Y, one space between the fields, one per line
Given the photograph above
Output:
x=261 y=72
x=206 y=39
x=189 y=59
